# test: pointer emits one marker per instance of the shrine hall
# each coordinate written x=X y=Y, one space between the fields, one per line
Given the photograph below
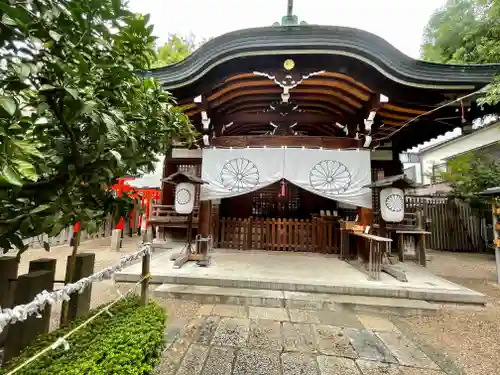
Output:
x=296 y=121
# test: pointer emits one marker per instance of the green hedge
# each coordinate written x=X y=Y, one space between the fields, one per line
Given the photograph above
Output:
x=128 y=343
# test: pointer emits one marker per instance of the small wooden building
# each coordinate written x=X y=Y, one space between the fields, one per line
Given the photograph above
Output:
x=296 y=119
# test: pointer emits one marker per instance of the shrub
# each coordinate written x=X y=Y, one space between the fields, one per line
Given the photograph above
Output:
x=129 y=342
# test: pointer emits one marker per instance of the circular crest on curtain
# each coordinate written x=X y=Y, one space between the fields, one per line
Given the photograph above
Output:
x=239 y=174
x=330 y=177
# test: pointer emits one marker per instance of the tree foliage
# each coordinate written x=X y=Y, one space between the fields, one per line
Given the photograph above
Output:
x=465 y=32
x=74 y=116
x=470 y=174
x=176 y=49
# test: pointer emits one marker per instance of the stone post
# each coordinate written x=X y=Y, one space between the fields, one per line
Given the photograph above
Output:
x=22 y=334
x=45 y=264
x=8 y=274
x=79 y=304
x=116 y=240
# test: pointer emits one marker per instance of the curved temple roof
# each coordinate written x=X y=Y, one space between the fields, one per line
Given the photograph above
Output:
x=324 y=40
x=356 y=66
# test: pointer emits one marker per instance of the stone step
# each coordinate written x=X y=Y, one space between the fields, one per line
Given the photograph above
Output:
x=295 y=300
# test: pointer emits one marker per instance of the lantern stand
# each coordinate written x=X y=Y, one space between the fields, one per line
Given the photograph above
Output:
x=494 y=194
x=389 y=197
x=185 y=190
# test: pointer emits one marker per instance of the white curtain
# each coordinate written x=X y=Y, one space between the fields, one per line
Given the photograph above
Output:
x=233 y=172
x=333 y=174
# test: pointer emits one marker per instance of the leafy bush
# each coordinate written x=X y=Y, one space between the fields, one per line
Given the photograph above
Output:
x=129 y=342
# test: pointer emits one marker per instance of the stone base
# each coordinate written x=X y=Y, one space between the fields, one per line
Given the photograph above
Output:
x=294 y=300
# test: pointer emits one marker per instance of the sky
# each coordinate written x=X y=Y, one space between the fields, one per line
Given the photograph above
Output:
x=400 y=22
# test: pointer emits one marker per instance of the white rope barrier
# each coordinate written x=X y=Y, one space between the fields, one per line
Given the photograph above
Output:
x=62 y=341
x=22 y=312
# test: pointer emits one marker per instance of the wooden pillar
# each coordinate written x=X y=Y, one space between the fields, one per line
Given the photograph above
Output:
x=79 y=304
x=204 y=218
x=167 y=190
x=23 y=333
x=365 y=216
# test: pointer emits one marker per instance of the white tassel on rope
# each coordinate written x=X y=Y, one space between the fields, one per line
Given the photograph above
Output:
x=22 y=312
x=60 y=342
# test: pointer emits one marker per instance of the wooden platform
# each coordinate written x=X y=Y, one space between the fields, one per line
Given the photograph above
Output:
x=165 y=216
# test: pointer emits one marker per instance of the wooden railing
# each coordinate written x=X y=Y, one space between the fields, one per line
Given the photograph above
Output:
x=165 y=216
x=315 y=235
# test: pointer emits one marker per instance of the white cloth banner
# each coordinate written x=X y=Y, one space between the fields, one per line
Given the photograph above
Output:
x=333 y=174
x=233 y=172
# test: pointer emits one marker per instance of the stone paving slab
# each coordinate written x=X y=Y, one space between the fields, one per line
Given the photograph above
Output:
x=232 y=332
x=298 y=337
x=368 y=346
x=207 y=330
x=377 y=323
x=257 y=362
x=337 y=366
x=303 y=316
x=332 y=341
x=230 y=311
x=419 y=371
x=268 y=313
x=214 y=345
x=405 y=351
x=339 y=318
x=219 y=361
x=299 y=364
x=377 y=368
x=173 y=330
x=193 y=362
x=265 y=334
x=206 y=309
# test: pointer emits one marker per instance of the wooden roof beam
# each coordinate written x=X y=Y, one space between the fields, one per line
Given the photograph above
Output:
x=266 y=117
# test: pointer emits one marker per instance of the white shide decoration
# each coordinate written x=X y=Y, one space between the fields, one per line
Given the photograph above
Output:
x=334 y=174
x=184 y=197
x=392 y=205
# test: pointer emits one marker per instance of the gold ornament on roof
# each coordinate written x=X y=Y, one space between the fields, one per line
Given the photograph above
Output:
x=289 y=64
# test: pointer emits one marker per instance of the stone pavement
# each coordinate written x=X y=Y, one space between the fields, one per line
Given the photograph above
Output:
x=247 y=340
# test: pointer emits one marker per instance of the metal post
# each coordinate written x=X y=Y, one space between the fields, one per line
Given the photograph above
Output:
x=289 y=10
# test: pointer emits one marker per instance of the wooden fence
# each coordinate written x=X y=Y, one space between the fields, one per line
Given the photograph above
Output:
x=316 y=235
x=454 y=226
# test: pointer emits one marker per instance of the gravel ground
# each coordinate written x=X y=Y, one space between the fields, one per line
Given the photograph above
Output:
x=467 y=335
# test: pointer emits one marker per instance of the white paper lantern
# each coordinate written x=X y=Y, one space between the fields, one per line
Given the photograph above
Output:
x=184 y=198
x=392 y=205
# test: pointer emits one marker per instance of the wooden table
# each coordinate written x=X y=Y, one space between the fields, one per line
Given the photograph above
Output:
x=419 y=236
x=378 y=246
